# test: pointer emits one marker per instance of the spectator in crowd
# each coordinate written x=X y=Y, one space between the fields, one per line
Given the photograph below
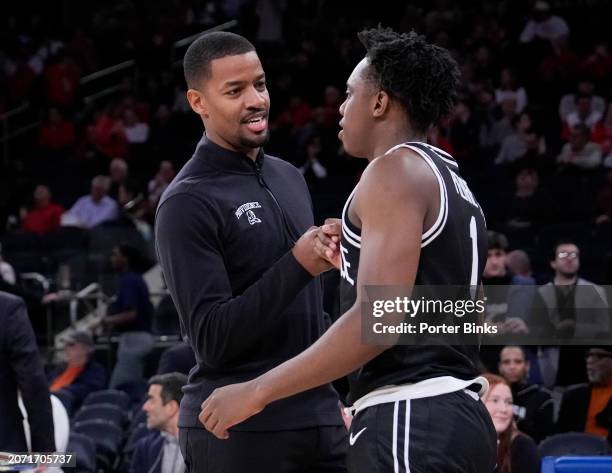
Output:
x=580 y=152
x=107 y=134
x=519 y=264
x=598 y=64
x=586 y=407
x=118 y=171
x=7 y=272
x=56 y=134
x=508 y=299
x=132 y=309
x=492 y=133
x=312 y=148
x=568 y=102
x=568 y=308
x=529 y=206
x=44 y=216
x=62 y=80
x=533 y=405
x=515 y=145
x=584 y=114
x=602 y=133
x=544 y=25
x=21 y=370
x=516 y=452
x=93 y=209
x=136 y=131
x=576 y=307
x=159 y=451
x=160 y=182
x=509 y=90
x=79 y=374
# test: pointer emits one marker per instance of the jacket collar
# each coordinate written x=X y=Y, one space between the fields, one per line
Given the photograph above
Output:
x=227 y=160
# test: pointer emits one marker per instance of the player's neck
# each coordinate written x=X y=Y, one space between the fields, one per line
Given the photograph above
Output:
x=393 y=137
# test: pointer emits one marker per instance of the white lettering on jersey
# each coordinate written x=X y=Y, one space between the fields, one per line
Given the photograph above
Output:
x=463 y=190
x=344 y=266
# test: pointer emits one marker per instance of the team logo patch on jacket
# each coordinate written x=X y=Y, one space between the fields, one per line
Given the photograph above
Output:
x=248 y=208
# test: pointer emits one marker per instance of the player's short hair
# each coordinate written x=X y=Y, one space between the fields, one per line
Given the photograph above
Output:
x=423 y=77
x=171 y=386
x=208 y=47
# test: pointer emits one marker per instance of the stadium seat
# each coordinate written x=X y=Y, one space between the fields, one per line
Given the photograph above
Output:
x=85 y=451
x=107 y=438
x=573 y=443
x=598 y=464
x=108 y=412
x=110 y=396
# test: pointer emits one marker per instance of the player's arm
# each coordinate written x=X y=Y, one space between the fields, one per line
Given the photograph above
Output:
x=392 y=204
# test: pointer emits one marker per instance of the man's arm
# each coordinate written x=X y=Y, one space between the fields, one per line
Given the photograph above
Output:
x=28 y=367
x=222 y=326
x=392 y=204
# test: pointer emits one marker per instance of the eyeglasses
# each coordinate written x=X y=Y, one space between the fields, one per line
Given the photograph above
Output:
x=568 y=254
x=598 y=356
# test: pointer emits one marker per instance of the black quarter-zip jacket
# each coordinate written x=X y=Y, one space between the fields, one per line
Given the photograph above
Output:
x=224 y=232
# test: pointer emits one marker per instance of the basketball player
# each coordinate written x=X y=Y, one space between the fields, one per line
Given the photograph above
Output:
x=410 y=220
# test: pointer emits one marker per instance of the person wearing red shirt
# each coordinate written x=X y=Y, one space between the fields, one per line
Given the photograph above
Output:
x=44 y=216
x=56 y=133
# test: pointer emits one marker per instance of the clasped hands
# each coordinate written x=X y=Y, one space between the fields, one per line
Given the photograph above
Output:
x=317 y=250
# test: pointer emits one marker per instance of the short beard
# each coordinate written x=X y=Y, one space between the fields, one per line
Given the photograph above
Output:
x=568 y=275
x=248 y=143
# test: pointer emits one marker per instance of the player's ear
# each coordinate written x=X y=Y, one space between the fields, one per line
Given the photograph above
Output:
x=381 y=104
x=197 y=102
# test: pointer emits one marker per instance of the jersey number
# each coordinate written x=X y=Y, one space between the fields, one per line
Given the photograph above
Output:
x=474 y=271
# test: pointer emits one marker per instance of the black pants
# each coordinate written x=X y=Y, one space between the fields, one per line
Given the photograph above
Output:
x=441 y=434
x=313 y=450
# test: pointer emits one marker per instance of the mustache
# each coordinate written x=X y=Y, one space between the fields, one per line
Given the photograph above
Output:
x=255 y=114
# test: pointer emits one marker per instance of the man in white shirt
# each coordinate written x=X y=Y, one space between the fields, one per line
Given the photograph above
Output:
x=93 y=209
x=544 y=25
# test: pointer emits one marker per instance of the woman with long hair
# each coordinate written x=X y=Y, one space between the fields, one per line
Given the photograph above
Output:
x=516 y=452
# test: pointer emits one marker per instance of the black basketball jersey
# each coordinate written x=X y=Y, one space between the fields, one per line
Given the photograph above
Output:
x=453 y=252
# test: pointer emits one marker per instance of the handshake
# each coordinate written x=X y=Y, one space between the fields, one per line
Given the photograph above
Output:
x=318 y=249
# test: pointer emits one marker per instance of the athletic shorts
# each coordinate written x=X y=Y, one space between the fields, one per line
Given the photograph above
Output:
x=441 y=434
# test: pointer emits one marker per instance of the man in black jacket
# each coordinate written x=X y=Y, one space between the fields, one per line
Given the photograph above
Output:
x=158 y=452
x=587 y=407
x=243 y=280
x=21 y=369
x=533 y=405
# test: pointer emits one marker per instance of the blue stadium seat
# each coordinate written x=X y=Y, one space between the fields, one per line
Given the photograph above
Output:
x=85 y=451
x=573 y=443
x=600 y=464
x=107 y=438
x=106 y=411
x=110 y=396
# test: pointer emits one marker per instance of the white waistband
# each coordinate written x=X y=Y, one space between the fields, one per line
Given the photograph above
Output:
x=427 y=388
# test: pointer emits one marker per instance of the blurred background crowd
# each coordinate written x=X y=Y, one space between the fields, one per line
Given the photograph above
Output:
x=94 y=124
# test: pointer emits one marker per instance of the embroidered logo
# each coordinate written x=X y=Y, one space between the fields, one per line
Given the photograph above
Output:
x=246 y=207
x=252 y=217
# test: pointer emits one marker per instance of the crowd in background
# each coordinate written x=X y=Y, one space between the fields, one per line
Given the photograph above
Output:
x=532 y=132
